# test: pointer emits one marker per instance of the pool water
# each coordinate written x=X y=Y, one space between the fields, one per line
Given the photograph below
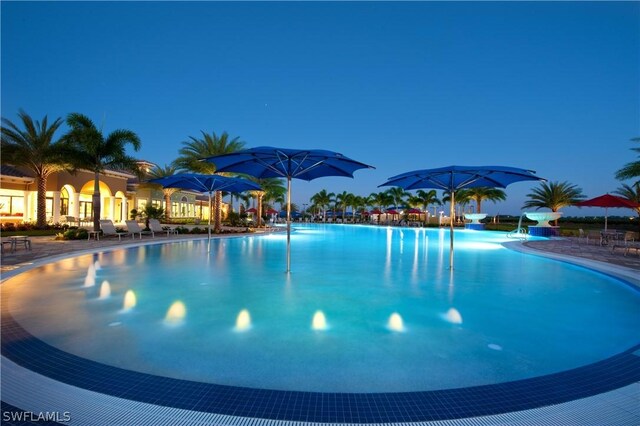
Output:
x=499 y=316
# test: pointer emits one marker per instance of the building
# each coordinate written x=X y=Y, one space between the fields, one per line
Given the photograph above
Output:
x=69 y=197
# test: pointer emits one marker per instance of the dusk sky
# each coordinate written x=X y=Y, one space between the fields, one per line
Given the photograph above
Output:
x=548 y=86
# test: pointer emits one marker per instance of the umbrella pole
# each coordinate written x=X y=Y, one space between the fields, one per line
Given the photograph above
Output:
x=209 y=227
x=606 y=215
x=288 y=224
x=451 y=213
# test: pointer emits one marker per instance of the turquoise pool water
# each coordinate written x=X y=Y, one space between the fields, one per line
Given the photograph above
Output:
x=500 y=316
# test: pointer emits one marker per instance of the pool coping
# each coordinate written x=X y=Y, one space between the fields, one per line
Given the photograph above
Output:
x=36 y=358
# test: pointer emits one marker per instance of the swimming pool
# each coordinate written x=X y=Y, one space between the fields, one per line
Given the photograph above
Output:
x=395 y=318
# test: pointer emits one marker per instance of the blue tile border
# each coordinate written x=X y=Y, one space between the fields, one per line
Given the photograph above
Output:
x=28 y=351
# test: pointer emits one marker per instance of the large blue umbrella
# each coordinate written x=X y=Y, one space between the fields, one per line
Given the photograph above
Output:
x=453 y=178
x=270 y=162
x=209 y=184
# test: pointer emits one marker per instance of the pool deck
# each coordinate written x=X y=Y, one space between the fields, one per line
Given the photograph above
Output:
x=616 y=407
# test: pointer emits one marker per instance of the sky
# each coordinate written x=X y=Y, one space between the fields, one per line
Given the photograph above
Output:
x=547 y=86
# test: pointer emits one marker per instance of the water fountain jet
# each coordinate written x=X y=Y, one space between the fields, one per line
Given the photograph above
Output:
x=105 y=290
x=176 y=313
x=243 y=321
x=319 y=321
x=396 y=323
x=129 y=300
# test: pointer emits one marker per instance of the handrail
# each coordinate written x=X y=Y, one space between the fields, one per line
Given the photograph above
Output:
x=520 y=232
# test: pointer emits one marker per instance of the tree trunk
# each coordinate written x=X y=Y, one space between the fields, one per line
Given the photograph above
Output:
x=479 y=205
x=41 y=213
x=217 y=227
x=96 y=206
x=259 y=210
x=167 y=205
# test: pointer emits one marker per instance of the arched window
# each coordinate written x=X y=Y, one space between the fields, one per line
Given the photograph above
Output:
x=64 y=202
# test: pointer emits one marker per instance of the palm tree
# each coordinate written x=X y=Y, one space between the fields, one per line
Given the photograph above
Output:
x=426 y=198
x=195 y=149
x=272 y=188
x=398 y=196
x=462 y=198
x=554 y=196
x=630 y=170
x=92 y=151
x=485 y=193
x=160 y=172
x=34 y=148
x=344 y=199
x=630 y=193
x=322 y=199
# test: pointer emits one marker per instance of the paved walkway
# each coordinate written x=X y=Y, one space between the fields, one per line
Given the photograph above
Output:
x=573 y=247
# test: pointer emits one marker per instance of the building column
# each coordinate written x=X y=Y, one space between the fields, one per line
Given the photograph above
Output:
x=75 y=210
x=56 y=206
x=112 y=207
x=28 y=214
x=125 y=209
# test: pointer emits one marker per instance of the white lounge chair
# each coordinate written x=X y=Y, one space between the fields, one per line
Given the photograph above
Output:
x=156 y=227
x=109 y=230
x=133 y=228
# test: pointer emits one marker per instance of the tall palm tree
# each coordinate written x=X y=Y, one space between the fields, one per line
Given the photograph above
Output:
x=426 y=198
x=91 y=150
x=554 y=196
x=195 y=149
x=160 y=172
x=272 y=188
x=485 y=193
x=630 y=170
x=343 y=200
x=398 y=195
x=322 y=199
x=630 y=193
x=34 y=148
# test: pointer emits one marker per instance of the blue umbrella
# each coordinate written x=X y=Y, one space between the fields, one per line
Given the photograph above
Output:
x=206 y=183
x=453 y=178
x=270 y=162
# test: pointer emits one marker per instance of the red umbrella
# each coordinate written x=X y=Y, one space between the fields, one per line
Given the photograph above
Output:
x=414 y=211
x=607 y=201
x=251 y=210
x=393 y=212
x=272 y=211
x=376 y=211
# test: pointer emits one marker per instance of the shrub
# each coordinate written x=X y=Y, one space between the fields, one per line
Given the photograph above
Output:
x=75 y=234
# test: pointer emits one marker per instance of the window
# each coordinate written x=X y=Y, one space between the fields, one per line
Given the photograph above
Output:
x=11 y=205
x=64 y=202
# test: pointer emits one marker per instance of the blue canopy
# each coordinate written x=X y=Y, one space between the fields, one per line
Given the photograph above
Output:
x=206 y=183
x=453 y=178
x=271 y=162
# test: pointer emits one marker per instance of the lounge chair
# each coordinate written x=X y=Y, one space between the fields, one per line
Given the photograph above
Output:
x=109 y=230
x=133 y=228
x=630 y=241
x=156 y=227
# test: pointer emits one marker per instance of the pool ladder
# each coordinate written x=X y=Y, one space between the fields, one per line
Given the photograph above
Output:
x=520 y=232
